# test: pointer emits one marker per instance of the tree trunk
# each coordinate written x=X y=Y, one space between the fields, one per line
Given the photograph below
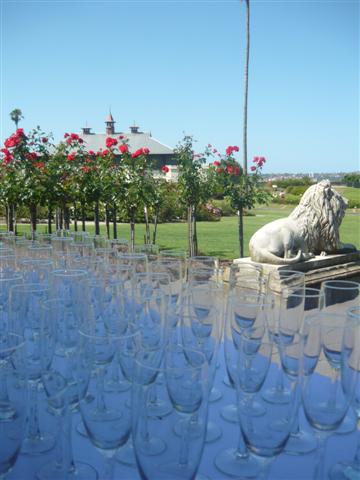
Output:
x=33 y=219
x=7 y=217
x=107 y=220
x=15 y=220
x=195 y=239
x=83 y=217
x=49 y=219
x=132 y=231
x=155 y=224
x=190 y=231
x=96 y=218
x=246 y=85
x=57 y=218
x=61 y=219
x=75 y=218
x=241 y=231
x=114 y=219
x=147 y=226
x=66 y=217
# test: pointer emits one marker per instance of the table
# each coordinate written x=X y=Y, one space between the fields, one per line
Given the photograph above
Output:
x=285 y=467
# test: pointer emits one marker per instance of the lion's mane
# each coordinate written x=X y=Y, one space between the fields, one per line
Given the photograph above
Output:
x=318 y=217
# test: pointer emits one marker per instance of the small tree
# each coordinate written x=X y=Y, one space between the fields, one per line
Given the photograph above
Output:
x=194 y=186
x=16 y=115
x=243 y=190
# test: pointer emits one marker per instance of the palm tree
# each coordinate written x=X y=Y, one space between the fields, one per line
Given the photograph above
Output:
x=246 y=91
x=16 y=115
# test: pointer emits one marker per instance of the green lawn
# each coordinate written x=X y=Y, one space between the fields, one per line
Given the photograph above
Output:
x=350 y=193
x=220 y=238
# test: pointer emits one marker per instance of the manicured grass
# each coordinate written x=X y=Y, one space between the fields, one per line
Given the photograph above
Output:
x=350 y=193
x=220 y=238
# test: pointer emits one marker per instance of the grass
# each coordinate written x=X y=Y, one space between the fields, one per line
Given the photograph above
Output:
x=220 y=238
x=350 y=193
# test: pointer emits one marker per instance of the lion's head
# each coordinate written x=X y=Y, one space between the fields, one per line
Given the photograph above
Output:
x=319 y=216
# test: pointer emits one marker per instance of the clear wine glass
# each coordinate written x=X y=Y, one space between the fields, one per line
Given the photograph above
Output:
x=25 y=301
x=60 y=332
x=254 y=374
x=106 y=415
x=326 y=397
x=340 y=295
x=246 y=318
x=13 y=398
x=351 y=470
x=186 y=383
x=280 y=283
x=202 y=329
x=294 y=307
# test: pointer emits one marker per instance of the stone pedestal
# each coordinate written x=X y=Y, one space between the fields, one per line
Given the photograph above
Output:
x=319 y=269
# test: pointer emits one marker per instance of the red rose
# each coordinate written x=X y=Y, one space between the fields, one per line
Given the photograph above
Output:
x=20 y=132
x=12 y=141
x=66 y=135
x=44 y=140
x=145 y=151
x=7 y=159
x=165 y=169
x=228 y=151
x=123 y=148
x=237 y=171
x=216 y=163
x=110 y=142
x=39 y=165
x=5 y=151
x=253 y=168
x=105 y=152
x=256 y=159
x=137 y=153
x=121 y=137
x=235 y=148
x=81 y=140
x=91 y=152
x=229 y=169
x=85 y=169
x=71 y=157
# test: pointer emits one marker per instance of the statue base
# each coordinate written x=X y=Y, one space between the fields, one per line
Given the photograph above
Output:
x=319 y=268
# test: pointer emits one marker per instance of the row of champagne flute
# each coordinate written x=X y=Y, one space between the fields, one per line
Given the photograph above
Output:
x=201 y=312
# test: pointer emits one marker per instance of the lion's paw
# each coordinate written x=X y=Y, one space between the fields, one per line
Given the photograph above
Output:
x=323 y=254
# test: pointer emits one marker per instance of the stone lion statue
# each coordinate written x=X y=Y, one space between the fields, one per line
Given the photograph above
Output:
x=311 y=229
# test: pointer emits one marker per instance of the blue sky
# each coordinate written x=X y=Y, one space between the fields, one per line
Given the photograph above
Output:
x=177 y=66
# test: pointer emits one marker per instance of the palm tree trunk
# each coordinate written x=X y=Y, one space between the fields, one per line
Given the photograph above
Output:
x=246 y=85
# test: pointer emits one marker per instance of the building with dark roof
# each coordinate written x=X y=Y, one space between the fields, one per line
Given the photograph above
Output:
x=160 y=153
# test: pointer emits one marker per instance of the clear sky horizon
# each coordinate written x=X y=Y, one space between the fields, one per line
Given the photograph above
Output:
x=177 y=66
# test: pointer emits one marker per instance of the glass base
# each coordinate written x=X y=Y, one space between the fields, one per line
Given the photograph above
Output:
x=227 y=382
x=36 y=446
x=276 y=395
x=178 y=470
x=213 y=431
x=52 y=471
x=81 y=430
x=232 y=463
x=300 y=443
x=126 y=455
x=112 y=385
x=255 y=410
x=159 y=408
x=152 y=446
x=229 y=413
x=348 y=425
x=215 y=395
x=345 y=471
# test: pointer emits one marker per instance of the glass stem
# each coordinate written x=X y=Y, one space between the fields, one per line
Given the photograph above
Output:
x=357 y=453
x=334 y=384
x=100 y=403
x=115 y=377
x=68 y=458
x=34 y=431
x=59 y=457
x=296 y=428
x=319 y=473
x=184 y=447
x=3 y=385
x=109 y=466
